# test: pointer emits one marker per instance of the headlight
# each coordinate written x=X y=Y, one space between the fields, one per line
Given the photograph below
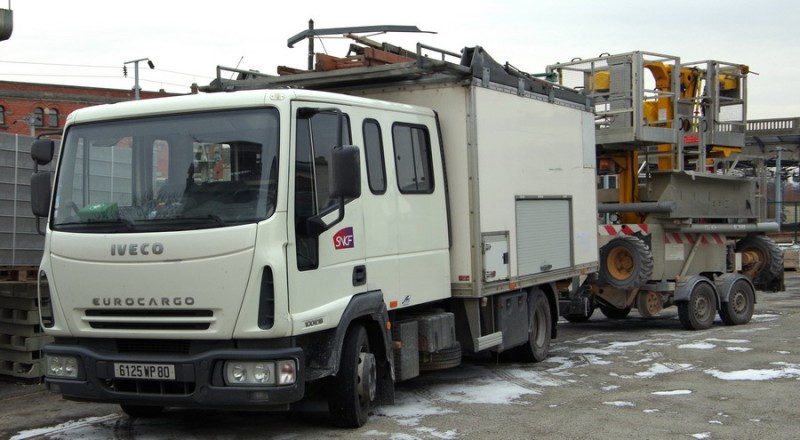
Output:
x=250 y=373
x=65 y=367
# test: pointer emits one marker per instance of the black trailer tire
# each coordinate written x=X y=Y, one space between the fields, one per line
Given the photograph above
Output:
x=142 y=411
x=615 y=313
x=578 y=318
x=539 y=330
x=353 y=389
x=768 y=260
x=625 y=263
x=698 y=312
x=740 y=305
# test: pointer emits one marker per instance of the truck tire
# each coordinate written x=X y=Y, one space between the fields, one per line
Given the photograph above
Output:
x=578 y=318
x=353 y=389
x=698 y=312
x=614 y=313
x=739 y=307
x=539 y=330
x=625 y=263
x=141 y=410
x=763 y=261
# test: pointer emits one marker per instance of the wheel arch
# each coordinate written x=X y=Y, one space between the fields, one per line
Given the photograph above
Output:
x=369 y=310
x=724 y=282
x=683 y=289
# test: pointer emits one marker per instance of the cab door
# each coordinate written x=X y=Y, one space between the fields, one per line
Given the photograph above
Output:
x=325 y=270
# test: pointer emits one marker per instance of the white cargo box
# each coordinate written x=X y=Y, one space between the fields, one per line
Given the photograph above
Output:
x=521 y=179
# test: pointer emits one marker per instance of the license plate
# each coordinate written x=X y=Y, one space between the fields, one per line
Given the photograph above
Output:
x=144 y=371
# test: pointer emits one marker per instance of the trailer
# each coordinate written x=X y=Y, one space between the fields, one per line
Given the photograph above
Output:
x=680 y=223
x=323 y=232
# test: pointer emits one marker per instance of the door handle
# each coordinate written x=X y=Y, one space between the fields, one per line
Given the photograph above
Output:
x=360 y=275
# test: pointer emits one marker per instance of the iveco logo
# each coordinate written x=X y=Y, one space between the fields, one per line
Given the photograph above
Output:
x=137 y=249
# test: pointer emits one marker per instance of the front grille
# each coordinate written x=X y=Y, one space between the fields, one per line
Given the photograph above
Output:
x=153 y=387
x=149 y=319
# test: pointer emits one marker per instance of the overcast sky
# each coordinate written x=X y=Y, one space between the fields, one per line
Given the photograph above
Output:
x=87 y=42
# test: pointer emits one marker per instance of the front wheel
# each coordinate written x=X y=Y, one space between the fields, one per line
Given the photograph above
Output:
x=698 y=312
x=352 y=390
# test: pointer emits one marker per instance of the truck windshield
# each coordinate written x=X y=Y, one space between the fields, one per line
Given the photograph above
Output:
x=186 y=171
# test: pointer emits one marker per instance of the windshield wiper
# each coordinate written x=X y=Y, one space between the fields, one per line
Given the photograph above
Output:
x=215 y=218
x=88 y=224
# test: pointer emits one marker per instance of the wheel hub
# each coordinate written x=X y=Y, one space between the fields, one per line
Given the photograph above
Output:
x=367 y=377
x=620 y=263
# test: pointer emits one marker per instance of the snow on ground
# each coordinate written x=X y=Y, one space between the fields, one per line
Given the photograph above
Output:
x=785 y=371
x=87 y=427
x=620 y=403
x=671 y=393
x=698 y=346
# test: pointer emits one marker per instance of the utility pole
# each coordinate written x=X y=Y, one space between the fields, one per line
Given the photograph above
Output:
x=136 y=87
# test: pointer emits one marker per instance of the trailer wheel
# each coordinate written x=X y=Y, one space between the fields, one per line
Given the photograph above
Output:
x=142 y=411
x=539 y=330
x=614 y=313
x=352 y=390
x=578 y=318
x=698 y=312
x=649 y=303
x=740 y=305
x=625 y=263
x=762 y=259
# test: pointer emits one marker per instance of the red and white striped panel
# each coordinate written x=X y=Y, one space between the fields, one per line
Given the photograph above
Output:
x=612 y=230
x=679 y=238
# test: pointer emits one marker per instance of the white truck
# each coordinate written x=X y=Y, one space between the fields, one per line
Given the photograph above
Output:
x=247 y=249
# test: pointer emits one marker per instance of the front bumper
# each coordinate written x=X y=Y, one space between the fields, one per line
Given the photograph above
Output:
x=198 y=382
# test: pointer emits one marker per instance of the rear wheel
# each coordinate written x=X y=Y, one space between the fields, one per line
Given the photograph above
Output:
x=352 y=390
x=539 y=330
x=698 y=313
x=740 y=305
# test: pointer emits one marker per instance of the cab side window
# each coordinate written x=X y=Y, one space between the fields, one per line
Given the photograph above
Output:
x=373 y=150
x=412 y=152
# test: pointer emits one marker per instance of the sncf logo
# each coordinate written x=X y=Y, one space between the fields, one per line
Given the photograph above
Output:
x=344 y=239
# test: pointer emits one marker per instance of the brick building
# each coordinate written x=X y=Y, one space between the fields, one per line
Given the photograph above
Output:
x=30 y=108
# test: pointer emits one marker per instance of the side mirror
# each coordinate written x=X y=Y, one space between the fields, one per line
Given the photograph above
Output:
x=345 y=177
x=42 y=151
x=40 y=194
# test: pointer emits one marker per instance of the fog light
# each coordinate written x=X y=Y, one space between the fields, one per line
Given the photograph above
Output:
x=62 y=366
x=287 y=372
